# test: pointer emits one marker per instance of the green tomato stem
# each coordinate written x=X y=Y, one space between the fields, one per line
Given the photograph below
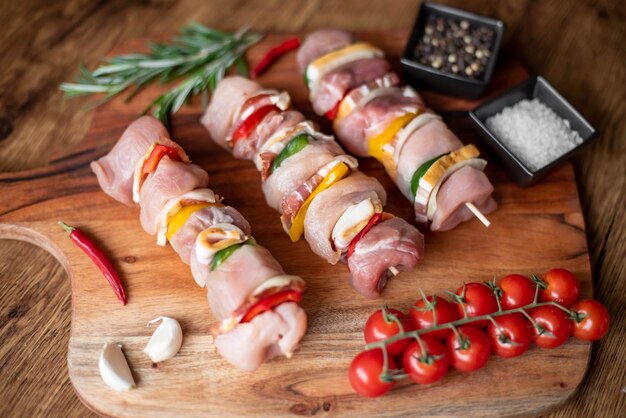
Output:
x=460 y=322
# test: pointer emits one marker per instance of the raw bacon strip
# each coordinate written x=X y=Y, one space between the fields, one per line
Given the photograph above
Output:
x=276 y=121
x=428 y=141
x=334 y=86
x=233 y=284
x=298 y=169
x=296 y=183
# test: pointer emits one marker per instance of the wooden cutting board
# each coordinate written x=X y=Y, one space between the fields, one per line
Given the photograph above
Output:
x=533 y=230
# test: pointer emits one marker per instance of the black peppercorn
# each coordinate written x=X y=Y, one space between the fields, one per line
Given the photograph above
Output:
x=455 y=46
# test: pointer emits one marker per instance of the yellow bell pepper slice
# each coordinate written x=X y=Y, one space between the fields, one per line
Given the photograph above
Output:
x=376 y=145
x=336 y=174
x=178 y=220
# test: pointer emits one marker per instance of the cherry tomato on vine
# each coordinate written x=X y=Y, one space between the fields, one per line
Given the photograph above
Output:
x=426 y=367
x=561 y=286
x=365 y=371
x=380 y=326
x=517 y=291
x=478 y=299
x=556 y=327
x=595 y=322
x=512 y=336
x=443 y=311
x=471 y=352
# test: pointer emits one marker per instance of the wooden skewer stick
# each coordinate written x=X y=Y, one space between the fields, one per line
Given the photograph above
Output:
x=478 y=214
x=394 y=270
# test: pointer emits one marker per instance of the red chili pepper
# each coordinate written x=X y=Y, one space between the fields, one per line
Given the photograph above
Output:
x=273 y=54
x=98 y=257
x=158 y=152
x=373 y=221
x=247 y=126
x=270 y=302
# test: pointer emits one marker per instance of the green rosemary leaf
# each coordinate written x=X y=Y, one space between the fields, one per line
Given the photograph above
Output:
x=78 y=89
x=199 y=56
x=242 y=67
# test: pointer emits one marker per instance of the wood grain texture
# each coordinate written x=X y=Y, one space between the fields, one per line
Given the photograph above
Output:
x=315 y=381
x=577 y=45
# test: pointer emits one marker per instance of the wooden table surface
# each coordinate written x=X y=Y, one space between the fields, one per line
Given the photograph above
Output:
x=578 y=45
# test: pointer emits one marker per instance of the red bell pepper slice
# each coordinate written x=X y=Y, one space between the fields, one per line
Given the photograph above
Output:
x=158 y=152
x=332 y=113
x=247 y=126
x=270 y=302
x=373 y=221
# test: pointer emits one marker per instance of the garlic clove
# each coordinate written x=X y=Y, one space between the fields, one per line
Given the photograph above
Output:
x=114 y=368
x=165 y=341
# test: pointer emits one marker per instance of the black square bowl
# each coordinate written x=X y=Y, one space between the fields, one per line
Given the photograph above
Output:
x=539 y=88
x=424 y=76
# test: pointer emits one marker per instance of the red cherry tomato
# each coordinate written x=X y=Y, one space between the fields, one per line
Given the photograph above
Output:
x=378 y=328
x=478 y=299
x=365 y=371
x=443 y=312
x=552 y=320
x=511 y=337
x=561 y=286
x=595 y=322
x=426 y=367
x=471 y=352
x=517 y=291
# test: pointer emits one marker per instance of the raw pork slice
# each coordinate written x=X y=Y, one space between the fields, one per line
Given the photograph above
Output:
x=465 y=185
x=391 y=243
x=334 y=85
x=355 y=129
x=270 y=334
x=185 y=238
x=329 y=205
x=170 y=179
x=247 y=148
x=116 y=169
x=236 y=278
x=227 y=98
x=297 y=169
x=319 y=43
x=426 y=143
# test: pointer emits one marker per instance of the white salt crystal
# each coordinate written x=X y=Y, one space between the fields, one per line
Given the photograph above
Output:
x=534 y=133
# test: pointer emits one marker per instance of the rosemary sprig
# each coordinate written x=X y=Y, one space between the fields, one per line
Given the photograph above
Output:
x=200 y=55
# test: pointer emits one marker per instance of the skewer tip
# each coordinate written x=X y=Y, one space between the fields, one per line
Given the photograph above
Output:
x=477 y=213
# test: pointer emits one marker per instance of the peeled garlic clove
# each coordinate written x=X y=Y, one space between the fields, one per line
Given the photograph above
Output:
x=165 y=341
x=114 y=368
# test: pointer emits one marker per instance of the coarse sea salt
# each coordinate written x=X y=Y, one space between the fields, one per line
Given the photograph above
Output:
x=534 y=133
